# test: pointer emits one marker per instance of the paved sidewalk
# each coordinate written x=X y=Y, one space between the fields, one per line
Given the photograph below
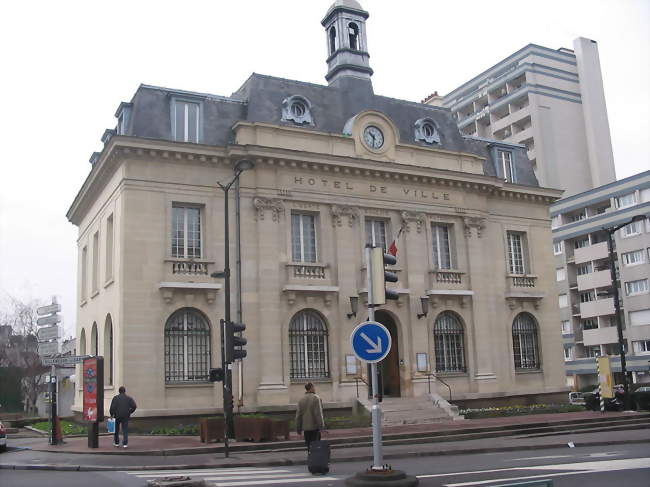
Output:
x=141 y=457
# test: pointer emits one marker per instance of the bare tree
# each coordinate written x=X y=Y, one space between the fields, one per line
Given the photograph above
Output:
x=19 y=347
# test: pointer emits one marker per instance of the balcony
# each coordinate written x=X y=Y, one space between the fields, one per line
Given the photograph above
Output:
x=592 y=252
x=450 y=279
x=600 y=307
x=594 y=280
x=304 y=271
x=189 y=268
x=522 y=281
x=600 y=336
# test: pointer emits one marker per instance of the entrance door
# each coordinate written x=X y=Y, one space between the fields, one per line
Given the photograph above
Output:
x=389 y=367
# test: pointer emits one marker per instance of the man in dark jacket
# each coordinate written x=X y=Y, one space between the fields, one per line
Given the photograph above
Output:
x=122 y=407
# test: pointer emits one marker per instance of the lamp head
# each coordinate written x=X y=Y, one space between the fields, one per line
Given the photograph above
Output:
x=243 y=165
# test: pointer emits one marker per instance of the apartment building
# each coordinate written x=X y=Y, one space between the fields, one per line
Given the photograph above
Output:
x=552 y=102
x=335 y=167
x=584 y=281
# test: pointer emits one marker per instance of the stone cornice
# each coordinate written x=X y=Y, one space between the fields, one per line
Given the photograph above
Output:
x=122 y=147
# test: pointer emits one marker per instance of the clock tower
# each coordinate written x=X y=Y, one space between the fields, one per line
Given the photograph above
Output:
x=347 y=46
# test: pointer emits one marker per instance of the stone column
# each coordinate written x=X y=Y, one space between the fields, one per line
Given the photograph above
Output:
x=270 y=216
x=482 y=279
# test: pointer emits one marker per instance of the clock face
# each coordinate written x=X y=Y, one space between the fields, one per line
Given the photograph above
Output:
x=373 y=137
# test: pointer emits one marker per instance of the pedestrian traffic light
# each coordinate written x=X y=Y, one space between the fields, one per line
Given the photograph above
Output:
x=379 y=275
x=216 y=375
x=234 y=343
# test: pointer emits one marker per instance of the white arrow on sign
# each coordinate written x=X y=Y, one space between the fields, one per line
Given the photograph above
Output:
x=49 y=309
x=48 y=320
x=376 y=347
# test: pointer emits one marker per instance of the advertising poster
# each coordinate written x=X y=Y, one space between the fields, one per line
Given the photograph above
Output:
x=93 y=389
x=605 y=377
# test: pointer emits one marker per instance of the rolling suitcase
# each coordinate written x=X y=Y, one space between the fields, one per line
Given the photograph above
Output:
x=318 y=459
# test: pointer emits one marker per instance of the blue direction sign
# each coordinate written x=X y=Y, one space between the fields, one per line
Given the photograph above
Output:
x=370 y=341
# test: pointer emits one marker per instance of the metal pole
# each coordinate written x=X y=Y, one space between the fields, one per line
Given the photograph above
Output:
x=617 y=318
x=53 y=412
x=240 y=363
x=226 y=376
x=377 y=454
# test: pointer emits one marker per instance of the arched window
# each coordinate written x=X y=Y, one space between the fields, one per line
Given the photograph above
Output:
x=332 y=40
x=524 y=342
x=187 y=347
x=353 y=33
x=108 y=351
x=308 y=346
x=93 y=340
x=82 y=342
x=449 y=342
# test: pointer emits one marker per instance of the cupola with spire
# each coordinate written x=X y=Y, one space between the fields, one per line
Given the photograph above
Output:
x=347 y=46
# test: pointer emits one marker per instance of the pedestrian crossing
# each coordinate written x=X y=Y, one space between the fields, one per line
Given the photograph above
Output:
x=244 y=476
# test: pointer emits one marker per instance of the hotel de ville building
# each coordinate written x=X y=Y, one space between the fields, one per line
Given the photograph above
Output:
x=335 y=167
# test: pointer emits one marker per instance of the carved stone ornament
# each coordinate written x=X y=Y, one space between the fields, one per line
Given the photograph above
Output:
x=409 y=217
x=339 y=211
x=475 y=222
x=276 y=206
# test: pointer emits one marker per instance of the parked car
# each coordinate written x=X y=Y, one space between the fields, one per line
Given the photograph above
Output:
x=576 y=398
x=3 y=437
x=642 y=397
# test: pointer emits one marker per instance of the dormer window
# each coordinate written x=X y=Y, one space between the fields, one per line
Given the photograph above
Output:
x=426 y=131
x=507 y=168
x=297 y=109
x=353 y=32
x=185 y=120
x=332 y=34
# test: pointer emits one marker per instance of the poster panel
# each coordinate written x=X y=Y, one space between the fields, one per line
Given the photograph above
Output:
x=605 y=377
x=93 y=389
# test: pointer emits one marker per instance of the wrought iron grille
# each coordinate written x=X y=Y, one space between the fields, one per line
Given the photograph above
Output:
x=308 y=346
x=524 y=342
x=449 y=342
x=187 y=347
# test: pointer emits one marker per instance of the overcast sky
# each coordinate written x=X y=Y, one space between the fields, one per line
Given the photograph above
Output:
x=67 y=65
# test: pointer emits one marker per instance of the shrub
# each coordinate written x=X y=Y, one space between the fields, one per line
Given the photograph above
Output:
x=495 y=412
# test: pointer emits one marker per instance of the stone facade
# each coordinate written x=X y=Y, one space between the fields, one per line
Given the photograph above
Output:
x=322 y=166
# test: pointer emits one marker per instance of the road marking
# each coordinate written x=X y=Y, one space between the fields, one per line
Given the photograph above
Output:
x=538 y=458
x=191 y=470
x=276 y=481
x=259 y=476
x=203 y=473
x=569 y=469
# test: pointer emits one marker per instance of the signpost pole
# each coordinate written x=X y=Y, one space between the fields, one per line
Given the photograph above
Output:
x=377 y=454
x=53 y=412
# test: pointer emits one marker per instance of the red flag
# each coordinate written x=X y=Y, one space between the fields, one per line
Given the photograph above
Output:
x=393 y=246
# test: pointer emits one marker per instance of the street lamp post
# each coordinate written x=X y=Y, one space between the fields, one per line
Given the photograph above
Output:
x=240 y=167
x=617 y=305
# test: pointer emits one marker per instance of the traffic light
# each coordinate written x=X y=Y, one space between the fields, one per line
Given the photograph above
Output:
x=216 y=375
x=379 y=275
x=234 y=343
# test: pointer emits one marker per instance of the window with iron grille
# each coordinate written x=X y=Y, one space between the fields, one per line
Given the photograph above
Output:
x=524 y=342
x=449 y=342
x=187 y=347
x=303 y=237
x=308 y=346
x=186 y=232
x=441 y=246
x=516 y=252
x=376 y=233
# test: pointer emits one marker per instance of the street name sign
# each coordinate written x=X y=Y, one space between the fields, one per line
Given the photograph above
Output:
x=48 y=348
x=49 y=309
x=48 y=333
x=69 y=360
x=370 y=341
x=48 y=320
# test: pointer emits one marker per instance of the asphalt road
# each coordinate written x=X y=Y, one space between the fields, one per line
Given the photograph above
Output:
x=602 y=466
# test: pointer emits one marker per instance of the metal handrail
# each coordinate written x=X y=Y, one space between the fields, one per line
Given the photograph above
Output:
x=429 y=375
x=356 y=380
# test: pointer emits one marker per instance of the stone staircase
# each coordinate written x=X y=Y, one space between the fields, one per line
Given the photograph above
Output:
x=415 y=410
